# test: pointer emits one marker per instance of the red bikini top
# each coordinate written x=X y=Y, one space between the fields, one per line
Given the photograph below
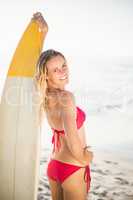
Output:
x=81 y=116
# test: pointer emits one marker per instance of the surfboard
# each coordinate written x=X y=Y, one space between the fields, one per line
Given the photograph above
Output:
x=19 y=130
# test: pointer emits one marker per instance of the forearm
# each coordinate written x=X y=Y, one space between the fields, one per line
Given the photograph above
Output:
x=77 y=150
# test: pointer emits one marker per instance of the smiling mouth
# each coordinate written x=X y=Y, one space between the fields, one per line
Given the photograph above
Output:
x=63 y=78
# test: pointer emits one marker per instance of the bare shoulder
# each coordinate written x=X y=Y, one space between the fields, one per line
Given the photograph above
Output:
x=66 y=98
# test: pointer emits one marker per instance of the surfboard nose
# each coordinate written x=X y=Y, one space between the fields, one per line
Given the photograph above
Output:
x=27 y=52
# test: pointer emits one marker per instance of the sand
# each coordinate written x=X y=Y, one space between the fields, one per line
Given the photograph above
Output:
x=111 y=173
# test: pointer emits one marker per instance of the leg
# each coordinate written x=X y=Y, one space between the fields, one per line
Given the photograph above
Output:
x=74 y=186
x=56 y=189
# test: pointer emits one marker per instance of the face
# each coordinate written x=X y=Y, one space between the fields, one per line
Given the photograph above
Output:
x=57 y=76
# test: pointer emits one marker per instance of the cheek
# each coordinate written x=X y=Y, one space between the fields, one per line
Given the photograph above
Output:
x=54 y=77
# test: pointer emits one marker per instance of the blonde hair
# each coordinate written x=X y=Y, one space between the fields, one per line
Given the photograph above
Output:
x=41 y=81
x=41 y=84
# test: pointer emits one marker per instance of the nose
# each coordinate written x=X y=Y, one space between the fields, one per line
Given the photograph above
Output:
x=61 y=71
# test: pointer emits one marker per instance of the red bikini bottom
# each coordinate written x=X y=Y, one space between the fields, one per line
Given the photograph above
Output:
x=59 y=171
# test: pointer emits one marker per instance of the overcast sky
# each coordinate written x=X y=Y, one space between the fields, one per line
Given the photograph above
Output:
x=86 y=31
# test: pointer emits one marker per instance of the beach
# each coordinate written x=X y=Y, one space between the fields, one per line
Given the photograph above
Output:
x=111 y=176
x=110 y=136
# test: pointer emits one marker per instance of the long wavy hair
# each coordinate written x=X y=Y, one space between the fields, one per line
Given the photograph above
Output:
x=40 y=78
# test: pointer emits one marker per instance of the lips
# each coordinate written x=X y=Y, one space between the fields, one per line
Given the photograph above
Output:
x=63 y=77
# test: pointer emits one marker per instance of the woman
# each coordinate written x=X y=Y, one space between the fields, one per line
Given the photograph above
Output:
x=68 y=170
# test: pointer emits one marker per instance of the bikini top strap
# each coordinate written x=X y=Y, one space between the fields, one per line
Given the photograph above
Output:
x=56 y=138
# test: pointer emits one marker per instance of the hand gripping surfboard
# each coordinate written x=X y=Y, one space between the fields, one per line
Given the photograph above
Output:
x=19 y=130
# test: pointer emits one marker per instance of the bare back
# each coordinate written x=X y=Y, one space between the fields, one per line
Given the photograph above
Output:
x=54 y=117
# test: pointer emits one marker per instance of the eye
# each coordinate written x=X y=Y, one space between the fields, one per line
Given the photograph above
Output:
x=64 y=65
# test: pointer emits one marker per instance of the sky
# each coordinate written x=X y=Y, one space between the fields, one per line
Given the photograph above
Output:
x=87 y=32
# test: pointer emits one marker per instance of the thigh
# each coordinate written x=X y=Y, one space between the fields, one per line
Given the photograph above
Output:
x=56 y=189
x=74 y=186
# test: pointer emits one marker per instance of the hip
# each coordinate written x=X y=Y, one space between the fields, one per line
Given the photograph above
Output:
x=65 y=156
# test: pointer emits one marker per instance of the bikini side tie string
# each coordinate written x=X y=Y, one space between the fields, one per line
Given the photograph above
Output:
x=87 y=177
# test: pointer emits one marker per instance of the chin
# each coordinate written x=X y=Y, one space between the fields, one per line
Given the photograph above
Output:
x=63 y=82
x=66 y=82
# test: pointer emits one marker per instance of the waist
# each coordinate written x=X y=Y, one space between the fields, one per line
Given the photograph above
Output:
x=64 y=155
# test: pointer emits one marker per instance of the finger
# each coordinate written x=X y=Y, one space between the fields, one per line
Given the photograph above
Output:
x=39 y=18
x=38 y=14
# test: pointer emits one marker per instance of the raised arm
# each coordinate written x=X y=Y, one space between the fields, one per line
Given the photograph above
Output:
x=69 y=120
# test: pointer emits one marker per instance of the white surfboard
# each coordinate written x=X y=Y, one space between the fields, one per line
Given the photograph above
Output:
x=19 y=130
